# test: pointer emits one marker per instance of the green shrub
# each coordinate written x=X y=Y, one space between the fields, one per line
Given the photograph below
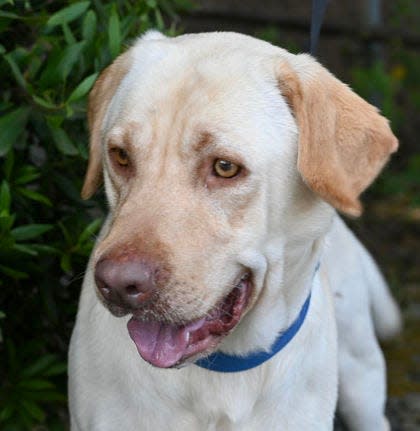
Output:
x=51 y=54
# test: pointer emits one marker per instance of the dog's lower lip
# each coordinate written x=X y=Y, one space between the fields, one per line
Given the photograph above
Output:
x=167 y=345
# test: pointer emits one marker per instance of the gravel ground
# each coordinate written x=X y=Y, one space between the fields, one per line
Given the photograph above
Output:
x=404 y=412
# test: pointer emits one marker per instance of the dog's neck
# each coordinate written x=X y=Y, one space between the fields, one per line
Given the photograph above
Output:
x=287 y=284
x=222 y=362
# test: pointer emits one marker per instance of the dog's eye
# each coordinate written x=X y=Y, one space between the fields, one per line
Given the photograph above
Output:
x=120 y=156
x=225 y=168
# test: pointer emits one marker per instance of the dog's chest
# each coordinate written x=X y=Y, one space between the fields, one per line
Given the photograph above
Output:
x=194 y=400
x=232 y=401
x=225 y=398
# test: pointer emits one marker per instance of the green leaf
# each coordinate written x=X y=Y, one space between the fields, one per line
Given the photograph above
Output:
x=61 y=64
x=83 y=150
x=56 y=369
x=114 y=32
x=6 y=222
x=46 y=396
x=68 y=14
x=13 y=273
x=151 y=4
x=26 y=420
x=54 y=121
x=7 y=412
x=68 y=187
x=126 y=24
x=35 y=196
x=71 y=55
x=36 y=384
x=33 y=67
x=63 y=142
x=65 y=263
x=89 y=26
x=83 y=88
x=69 y=111
x=65 y=232
x=26 y=174
x=39 y=366
x=9 y=15
x=68 y=35
x=90 y=230
x=12 y=126
x=33 y=409
x=29 y=231
x=46 y=249
x=159 y=20
x=24 y=248
x=43 y=103
x=15 y=70
x=5 y=198
x=8 y=165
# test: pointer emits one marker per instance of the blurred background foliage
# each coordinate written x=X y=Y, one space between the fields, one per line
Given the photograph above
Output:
x=51 y=53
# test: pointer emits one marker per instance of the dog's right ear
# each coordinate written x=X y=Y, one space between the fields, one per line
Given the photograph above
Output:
x=99 y=99
x=343 y=141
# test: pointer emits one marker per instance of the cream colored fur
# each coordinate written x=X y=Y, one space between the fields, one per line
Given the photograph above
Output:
x=176 y=104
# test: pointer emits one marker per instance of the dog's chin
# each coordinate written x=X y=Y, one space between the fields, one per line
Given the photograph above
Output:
x=167 y=345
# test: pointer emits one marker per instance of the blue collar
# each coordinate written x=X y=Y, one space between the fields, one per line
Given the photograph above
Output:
x=224 y=363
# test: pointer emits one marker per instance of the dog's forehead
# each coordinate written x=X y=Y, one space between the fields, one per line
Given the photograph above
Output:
x=217 y=85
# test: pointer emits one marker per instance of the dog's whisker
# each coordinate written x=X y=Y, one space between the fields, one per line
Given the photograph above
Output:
x=76 y=277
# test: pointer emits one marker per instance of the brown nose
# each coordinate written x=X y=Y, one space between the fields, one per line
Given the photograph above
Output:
x=128 y=284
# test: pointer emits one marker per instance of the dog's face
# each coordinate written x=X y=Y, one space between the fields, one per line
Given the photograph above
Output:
x=205 y=143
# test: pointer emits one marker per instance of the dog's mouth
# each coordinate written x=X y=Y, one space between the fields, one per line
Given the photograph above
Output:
x=167 y=345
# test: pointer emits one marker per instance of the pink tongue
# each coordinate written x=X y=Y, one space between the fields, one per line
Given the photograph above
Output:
x=161 y=344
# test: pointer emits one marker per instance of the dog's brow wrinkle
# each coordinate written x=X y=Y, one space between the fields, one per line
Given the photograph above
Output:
x=130 y=131
x=204 y=140
x=115 y=141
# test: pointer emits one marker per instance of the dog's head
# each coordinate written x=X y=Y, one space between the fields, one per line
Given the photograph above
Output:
x=214 y=147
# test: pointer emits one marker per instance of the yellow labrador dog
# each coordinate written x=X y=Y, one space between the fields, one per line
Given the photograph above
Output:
x=224 y=292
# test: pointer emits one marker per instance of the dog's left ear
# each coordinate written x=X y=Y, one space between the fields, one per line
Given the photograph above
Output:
x=99 y=99
x=343 y=141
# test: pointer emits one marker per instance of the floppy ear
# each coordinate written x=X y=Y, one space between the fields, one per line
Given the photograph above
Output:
x=343 y=141
x=99 y=98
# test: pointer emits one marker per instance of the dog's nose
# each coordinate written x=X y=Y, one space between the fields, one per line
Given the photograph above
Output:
x=128 y=284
